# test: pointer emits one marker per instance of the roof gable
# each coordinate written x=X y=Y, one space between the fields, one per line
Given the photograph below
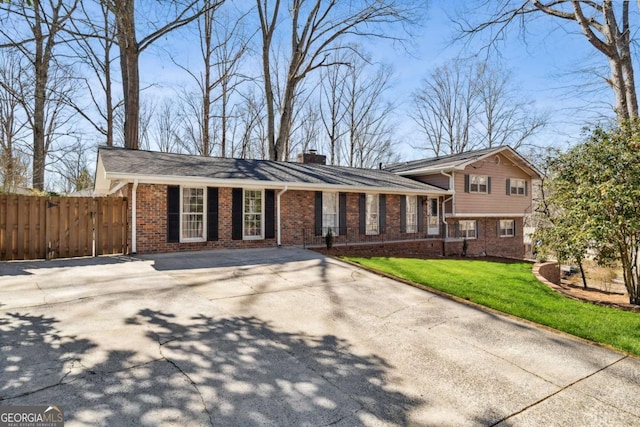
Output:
x=460 y=162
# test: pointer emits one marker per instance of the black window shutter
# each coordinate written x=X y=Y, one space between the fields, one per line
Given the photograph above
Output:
x=212 y=214
x=420 y=214
x=477 y=228
x=236 y=214
x=466 y=183
x=489 y=185
x=526 y=188
x=498 y=227
x=269 y=214
x=173 y=213
x=515 y=227
x=362 y=202
x=508 y=187
x=382 y=199
x=342 y=213
x=403 y=214
x=318 y=213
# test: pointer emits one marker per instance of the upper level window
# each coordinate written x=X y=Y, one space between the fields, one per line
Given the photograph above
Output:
x=478 y=184
x=253 y=224
x=192 y=215
x=372 y=214
x=330 y=217
x=467 y=229
x=517 y=187
x=411 y=218
x=507 y=228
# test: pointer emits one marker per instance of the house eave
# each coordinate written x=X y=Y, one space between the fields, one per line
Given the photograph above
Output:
x=485 y=215
x=248 y=183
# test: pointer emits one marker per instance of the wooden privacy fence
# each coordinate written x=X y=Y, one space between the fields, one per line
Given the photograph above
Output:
x=34 y=227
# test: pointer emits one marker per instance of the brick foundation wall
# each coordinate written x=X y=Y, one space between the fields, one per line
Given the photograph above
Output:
x=411 y=249
x=488 y=242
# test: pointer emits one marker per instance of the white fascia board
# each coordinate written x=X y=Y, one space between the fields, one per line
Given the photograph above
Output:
x=248 y=183
x=485 y=215
x=102 y=183
x=428 y=171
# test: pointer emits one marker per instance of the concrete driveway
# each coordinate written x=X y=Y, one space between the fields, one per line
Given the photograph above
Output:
x=285 y=337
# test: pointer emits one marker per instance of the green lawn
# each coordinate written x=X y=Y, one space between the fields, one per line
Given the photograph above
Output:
x=513 y=289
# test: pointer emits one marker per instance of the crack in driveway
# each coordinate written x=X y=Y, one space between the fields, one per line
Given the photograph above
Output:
x=186 y=375
x=561 y=389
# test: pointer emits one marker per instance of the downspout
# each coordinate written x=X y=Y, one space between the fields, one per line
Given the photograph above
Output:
x=452 y=185
x=134 y=216
x=284 y=190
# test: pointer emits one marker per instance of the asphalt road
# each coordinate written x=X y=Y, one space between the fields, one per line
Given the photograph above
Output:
x=285 y=337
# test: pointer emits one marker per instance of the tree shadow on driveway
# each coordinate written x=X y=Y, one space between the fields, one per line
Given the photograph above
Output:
x=210 y=371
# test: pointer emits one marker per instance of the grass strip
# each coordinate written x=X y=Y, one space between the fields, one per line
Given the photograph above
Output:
x=512 y=288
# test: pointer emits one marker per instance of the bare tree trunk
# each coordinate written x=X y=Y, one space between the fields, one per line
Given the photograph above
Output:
x=129 y=57
x=599 y=26
x=130 y=49
x=316 y=28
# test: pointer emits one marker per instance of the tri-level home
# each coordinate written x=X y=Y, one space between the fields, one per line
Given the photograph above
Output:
x=429 y=207
x=490 y=198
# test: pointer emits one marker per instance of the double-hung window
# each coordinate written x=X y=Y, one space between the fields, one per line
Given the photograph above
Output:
x=372 y=214
x=411 y=218
x=517 y=187
x=330 y=217
x=467 y=229
x=253 y=217
x=192 y=215
x=478 y=184
x=507 y=228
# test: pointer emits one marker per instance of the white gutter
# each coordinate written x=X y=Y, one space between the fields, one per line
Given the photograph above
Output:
x=134 y=216
x=284 y=190
x=249 y=183
x=452 y=187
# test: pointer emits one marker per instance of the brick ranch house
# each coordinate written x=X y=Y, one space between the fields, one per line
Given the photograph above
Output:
x=181 y=202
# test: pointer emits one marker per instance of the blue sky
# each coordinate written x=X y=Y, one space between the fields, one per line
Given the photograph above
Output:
x=542 y=68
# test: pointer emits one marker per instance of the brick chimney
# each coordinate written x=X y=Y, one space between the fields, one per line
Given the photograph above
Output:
x=312 y=157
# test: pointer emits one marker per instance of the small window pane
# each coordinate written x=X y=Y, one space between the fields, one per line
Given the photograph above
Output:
x=517 y=187
x=467 y=229
x=411 y=214
x=330 y=217
x=253 y=213
x=192 y=226
x=372 y=220
x=478 y=184
x=507 y=227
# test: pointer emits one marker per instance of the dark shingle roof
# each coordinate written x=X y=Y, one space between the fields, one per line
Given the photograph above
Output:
x=121 y=162
x=443 y=162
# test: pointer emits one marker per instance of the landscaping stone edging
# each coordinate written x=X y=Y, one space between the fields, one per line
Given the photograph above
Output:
x=544 y=272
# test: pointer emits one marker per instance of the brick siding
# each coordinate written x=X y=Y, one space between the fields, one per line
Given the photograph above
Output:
x=488 y=242
x=297 y=222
